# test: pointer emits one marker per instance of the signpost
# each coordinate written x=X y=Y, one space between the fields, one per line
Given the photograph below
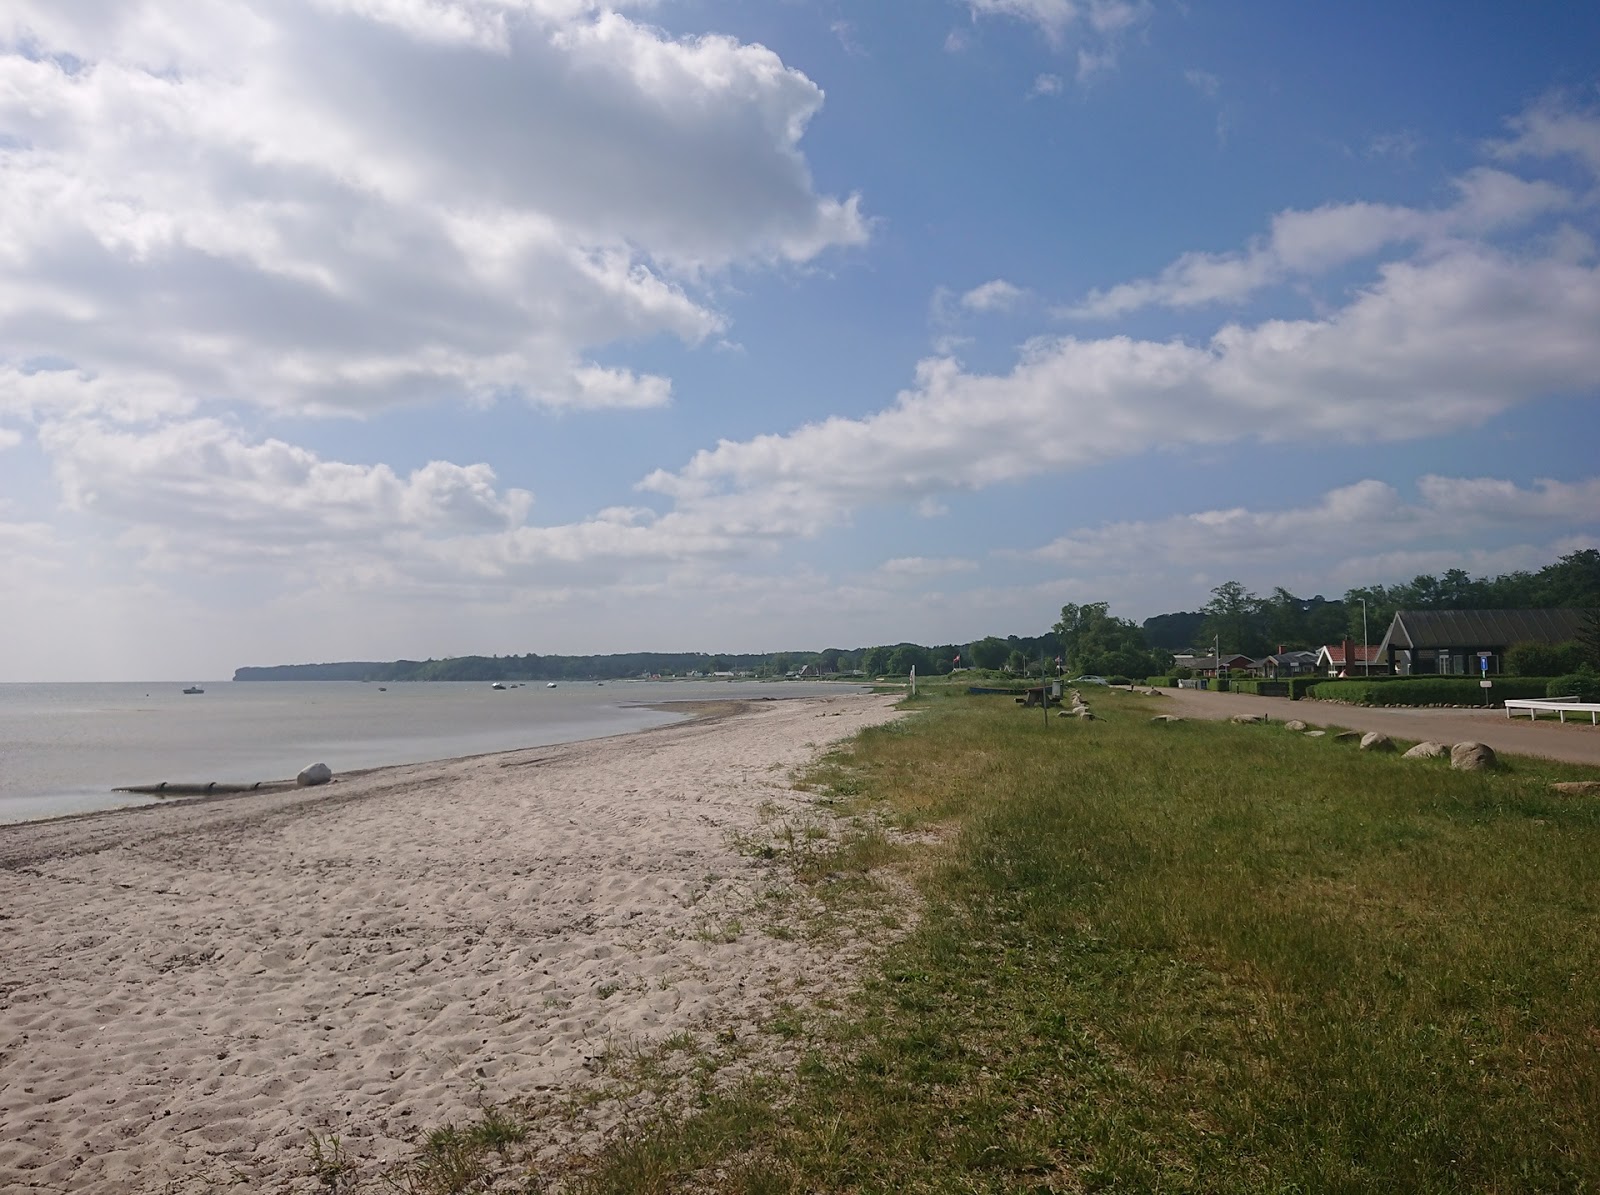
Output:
x=1485 y=683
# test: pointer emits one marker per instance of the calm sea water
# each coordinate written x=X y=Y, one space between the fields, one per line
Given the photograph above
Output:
x=63 y=747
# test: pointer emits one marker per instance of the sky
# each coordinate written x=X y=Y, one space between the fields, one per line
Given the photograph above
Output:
x=369 y=329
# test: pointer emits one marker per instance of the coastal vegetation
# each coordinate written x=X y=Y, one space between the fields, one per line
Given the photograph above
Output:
x=1182 y=957
x=1087 y=638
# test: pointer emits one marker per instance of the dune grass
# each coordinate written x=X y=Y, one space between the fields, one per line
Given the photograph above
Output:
x=1193 y=957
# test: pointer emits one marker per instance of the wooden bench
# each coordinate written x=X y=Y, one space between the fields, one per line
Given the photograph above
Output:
x=1533 y=707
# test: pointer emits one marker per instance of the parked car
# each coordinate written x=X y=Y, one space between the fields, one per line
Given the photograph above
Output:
x=1089 y=680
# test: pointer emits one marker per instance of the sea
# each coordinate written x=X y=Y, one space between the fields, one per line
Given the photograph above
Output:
x=65 y=747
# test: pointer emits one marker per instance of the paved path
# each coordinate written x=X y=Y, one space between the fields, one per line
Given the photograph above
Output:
x=1572 y=743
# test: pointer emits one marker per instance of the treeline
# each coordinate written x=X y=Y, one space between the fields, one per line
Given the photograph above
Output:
x=1238 y=620
x=1086 y=639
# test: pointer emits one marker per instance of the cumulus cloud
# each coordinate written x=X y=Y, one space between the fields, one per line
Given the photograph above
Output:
x=1553 y=128
x=1308 y=243
x=332 y=205
x=9 y=438
x=997 y=295
x=1432 y=346
x=1368 y=518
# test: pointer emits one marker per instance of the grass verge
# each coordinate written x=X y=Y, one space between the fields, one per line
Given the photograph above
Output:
x=1195 y=957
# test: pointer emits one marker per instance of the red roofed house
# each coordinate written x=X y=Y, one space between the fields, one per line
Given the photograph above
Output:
x=1351 y=659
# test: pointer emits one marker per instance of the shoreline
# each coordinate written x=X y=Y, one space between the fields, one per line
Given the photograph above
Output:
x=193 y=991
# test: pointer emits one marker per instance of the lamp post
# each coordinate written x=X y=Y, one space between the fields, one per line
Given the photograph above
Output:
x=1366 y=664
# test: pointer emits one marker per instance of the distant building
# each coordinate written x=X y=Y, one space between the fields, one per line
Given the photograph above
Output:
x=1453 y=642
x=1351 y=659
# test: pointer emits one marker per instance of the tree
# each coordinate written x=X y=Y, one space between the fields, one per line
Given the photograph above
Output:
x=906 y=657
x=1095 y=641
x=1017 y=663
x=989 y=652
x=1234 y=620
x=875 y=661
x=1589 y=637
x=1175 y=631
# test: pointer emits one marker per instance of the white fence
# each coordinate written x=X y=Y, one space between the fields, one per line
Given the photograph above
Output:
x=1534 y=707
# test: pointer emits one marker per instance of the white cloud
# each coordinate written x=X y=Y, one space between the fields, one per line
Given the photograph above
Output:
x=1402 y=145
x=1101 y=25
x=996 y=295
x=1055 y=17
x=1553 y=128
x=341 y=205
x=9 y=438
x=1204 y=82
x=199 y=486
x=917 y=568
x=1366 y=519
x=1308 y=243
x=1431 y=347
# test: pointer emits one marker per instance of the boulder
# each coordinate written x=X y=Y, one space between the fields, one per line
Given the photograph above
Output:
x=1315 y=734
x=1086 y=714
x=1427 y=750
x=1166 y=718
x=1347 y=736
x=317 y=773
x=1473 y=757
x=1578 y=788
x=1248 y=719
x=1295 y=725
x=1373 y=741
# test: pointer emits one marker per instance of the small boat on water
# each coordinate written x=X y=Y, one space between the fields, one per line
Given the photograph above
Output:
x=194 y=689
x=497 y=685
x=550 y=685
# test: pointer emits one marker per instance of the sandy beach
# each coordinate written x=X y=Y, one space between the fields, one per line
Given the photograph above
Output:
x=187 y=992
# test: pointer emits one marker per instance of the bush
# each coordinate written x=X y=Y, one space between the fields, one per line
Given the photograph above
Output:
x=1544 y=659
x=1183 y=674
x=1582 y=685
x=1429 y=690
x=1120 y=680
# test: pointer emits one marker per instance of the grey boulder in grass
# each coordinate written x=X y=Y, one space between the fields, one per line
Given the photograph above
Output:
x=1427 y=750
x=1473 y=757
x=1373 y=741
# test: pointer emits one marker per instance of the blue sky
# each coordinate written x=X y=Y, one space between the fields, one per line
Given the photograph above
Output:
x=339 y=329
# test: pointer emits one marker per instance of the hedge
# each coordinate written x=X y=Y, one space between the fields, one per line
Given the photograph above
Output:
x=1430 y=690
x=1583 y=685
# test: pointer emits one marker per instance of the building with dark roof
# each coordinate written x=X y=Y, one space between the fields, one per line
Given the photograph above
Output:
x=1455 y=642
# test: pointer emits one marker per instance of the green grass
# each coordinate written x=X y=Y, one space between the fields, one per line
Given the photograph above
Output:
x=1196 y=957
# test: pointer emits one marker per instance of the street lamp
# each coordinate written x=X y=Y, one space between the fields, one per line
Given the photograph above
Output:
x=1366 y=664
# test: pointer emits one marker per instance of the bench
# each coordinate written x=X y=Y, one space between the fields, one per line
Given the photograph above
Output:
x=1533 y=707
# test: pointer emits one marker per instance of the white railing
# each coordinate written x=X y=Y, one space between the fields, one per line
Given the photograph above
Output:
x=1533 y=707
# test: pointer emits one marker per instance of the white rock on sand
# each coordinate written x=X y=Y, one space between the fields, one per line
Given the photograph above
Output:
x=189 y=991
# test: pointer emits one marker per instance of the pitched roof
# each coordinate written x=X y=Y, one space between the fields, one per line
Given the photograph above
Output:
x=1480 y=628
x=1370 y=653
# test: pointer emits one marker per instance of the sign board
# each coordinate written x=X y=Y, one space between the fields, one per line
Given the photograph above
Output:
x=1483 y=661
x=1486 y=684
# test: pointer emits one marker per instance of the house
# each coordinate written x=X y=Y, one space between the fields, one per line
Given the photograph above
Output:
x=1287 y=663
x=1208 y=665
x=1461 y=642
x=1351 y=659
